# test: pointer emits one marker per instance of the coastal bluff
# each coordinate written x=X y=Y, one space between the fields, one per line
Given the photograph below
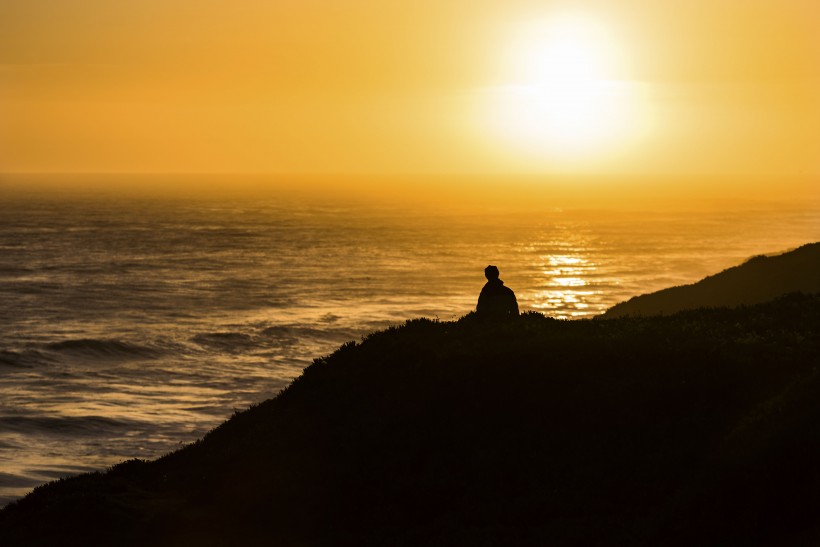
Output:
x=697 y=428
x=759 y=279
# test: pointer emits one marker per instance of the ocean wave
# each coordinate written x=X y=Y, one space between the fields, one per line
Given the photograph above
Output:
x=8 y=445
x=51 y=473
x=9 y=480
x=225 y=341
x=21 y=359
x=295 y=333
x=12 y=359
x=62 y=425
x=94 y=348
x=22 y=287
x=265 y=338
x=279 y=336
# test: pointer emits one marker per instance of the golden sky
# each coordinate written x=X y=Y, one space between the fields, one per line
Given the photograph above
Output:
x=639 y=87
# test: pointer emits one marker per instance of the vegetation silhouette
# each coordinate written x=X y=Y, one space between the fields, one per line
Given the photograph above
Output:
x=759 y=279
x=495 y=300
x=691 y=429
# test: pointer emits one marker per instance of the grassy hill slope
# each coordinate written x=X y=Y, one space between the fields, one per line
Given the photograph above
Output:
x=693 y=429
x=757 y=280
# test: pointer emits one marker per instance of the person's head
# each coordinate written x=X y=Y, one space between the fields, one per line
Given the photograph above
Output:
x=491 y=272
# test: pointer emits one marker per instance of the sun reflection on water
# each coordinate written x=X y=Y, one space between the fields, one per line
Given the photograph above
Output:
x=569 y=281
x=568 y=289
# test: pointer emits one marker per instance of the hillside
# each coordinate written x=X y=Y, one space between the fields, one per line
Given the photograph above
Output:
x=692 y=429
x=759 y=279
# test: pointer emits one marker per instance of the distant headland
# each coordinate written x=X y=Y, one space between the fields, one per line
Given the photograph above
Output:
x=757 y=280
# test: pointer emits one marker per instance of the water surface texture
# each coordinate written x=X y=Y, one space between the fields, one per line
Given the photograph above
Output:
x=130 y=327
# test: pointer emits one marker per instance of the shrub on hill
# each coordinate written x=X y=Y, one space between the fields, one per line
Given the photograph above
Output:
x=690 y=429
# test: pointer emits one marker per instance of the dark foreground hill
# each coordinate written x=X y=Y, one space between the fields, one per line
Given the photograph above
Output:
x=694 y=429
x=757 y=280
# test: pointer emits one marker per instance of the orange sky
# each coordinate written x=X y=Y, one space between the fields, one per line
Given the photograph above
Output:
x=713 y=87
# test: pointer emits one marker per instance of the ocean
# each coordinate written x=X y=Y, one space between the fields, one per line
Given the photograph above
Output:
x=131 y=327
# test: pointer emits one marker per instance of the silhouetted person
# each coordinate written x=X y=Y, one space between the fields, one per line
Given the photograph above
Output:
x=496 y=300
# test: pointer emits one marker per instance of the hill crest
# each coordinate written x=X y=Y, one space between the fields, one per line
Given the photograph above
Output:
x=760 y=279
x=681 y=430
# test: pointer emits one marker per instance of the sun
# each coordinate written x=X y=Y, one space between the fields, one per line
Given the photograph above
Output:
x=562 y=95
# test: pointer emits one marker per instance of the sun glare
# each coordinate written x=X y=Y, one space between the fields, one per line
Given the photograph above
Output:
x=563 y=95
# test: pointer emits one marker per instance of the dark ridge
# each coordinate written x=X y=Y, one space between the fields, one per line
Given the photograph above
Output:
x=692 y=429
x=760 y=279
